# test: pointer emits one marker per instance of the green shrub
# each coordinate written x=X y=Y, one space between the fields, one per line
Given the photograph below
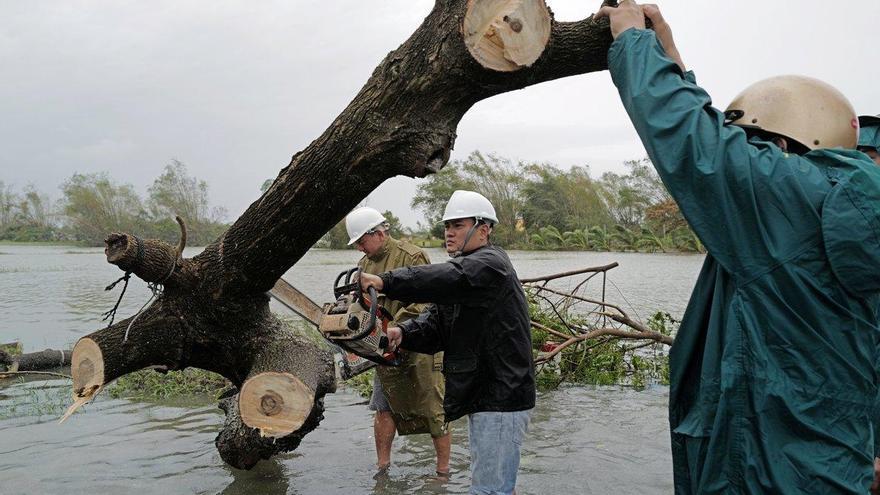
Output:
x=363 y=383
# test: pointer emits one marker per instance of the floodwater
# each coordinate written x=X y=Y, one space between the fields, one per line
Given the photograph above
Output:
x=582 y=440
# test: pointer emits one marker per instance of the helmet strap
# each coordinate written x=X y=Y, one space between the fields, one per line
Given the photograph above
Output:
x=467 y=238
x=791 y=146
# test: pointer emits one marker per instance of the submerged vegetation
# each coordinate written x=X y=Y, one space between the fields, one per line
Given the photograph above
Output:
x=363 y=383
x=33 y=398
x=11 y=348
x=53 y=397
x=153 y=385
x=579 y=337
x=605 y=361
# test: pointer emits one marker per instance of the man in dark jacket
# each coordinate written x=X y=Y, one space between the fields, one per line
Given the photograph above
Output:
x=480 y=320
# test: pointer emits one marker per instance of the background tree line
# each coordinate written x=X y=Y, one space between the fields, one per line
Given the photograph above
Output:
x=541 y=206
x=93 y=205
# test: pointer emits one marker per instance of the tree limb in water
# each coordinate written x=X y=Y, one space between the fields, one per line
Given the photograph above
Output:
x=573 y=321
x=35 y=361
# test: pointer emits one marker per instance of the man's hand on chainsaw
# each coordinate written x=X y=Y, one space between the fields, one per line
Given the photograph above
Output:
x=395 y=336
x=369 y=280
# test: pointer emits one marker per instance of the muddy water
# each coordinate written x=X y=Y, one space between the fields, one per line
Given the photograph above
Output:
x=583 y=440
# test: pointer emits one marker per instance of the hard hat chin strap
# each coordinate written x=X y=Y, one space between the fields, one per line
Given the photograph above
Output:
x=467 y=238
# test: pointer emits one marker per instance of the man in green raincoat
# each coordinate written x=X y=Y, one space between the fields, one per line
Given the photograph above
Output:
x=774 y=369
x=869 y=136
x=407 y=399
x=869 y=144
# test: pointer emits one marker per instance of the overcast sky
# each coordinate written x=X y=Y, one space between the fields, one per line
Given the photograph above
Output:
x=235 y=88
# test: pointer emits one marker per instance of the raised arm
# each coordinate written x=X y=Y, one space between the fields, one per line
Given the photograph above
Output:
x=744 y=200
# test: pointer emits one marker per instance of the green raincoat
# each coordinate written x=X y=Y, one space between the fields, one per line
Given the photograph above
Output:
x=414 y=389
x=774 y=369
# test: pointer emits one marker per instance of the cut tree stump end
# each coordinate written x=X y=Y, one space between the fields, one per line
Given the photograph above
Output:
x=86 y=367
x=277 y=404
x=87 y=371
x=506 y=35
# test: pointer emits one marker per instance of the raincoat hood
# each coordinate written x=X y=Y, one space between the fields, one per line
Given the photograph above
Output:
x=869 y=136
x=851 y=219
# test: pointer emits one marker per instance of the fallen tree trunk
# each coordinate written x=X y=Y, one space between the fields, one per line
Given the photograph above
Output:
x=35 y=361
x=213 y=312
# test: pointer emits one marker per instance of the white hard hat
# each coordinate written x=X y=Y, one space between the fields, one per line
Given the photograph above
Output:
x=469 y=204
x=362 y=221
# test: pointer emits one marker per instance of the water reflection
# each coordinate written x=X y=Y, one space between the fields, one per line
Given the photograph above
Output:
x=267 y=477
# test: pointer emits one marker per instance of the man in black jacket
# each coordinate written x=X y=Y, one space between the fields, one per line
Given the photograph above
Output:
x=480 y=320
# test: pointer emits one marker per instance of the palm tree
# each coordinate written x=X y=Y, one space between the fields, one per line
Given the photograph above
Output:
x=624 y=238
x=537 y=241
x=576 y=239
x=552 y=236
x=651 y=242
x=599 y=238
x=684 y=239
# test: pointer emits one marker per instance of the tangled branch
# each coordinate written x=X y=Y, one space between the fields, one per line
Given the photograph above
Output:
x=578 y=332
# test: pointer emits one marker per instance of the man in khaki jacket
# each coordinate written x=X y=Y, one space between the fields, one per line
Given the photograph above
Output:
x=407 y=399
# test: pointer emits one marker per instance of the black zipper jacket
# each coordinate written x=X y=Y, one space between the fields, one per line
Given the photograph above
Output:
x=480 y=319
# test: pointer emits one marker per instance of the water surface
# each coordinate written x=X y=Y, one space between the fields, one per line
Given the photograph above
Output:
x=583 y=440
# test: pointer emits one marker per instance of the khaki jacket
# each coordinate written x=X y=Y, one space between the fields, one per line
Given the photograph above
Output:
x=414 y=389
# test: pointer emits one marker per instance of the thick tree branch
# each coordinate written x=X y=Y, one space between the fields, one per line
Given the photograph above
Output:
x=547 y=278
x=403 y=121
x=151 y=260
x=600 y=332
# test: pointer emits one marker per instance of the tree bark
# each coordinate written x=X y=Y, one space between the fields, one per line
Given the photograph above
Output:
x=213 y=313
x=40 y=360
x=33 y=361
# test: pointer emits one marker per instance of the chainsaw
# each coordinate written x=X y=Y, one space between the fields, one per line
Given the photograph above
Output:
x=358 y=323
x=349 y=363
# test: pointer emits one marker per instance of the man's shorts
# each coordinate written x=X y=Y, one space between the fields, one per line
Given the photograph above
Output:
x=378 y=401
x=495 y=439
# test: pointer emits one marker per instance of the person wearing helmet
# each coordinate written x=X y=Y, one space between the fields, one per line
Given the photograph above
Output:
x=408 y=399
x=773 y=371
x=479 y=319
x=869 y=136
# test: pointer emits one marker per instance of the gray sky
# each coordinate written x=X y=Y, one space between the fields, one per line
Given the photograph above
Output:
x=234 y=88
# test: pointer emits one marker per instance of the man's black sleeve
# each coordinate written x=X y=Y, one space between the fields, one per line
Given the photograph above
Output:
x=423 y=333
x=473 y=280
